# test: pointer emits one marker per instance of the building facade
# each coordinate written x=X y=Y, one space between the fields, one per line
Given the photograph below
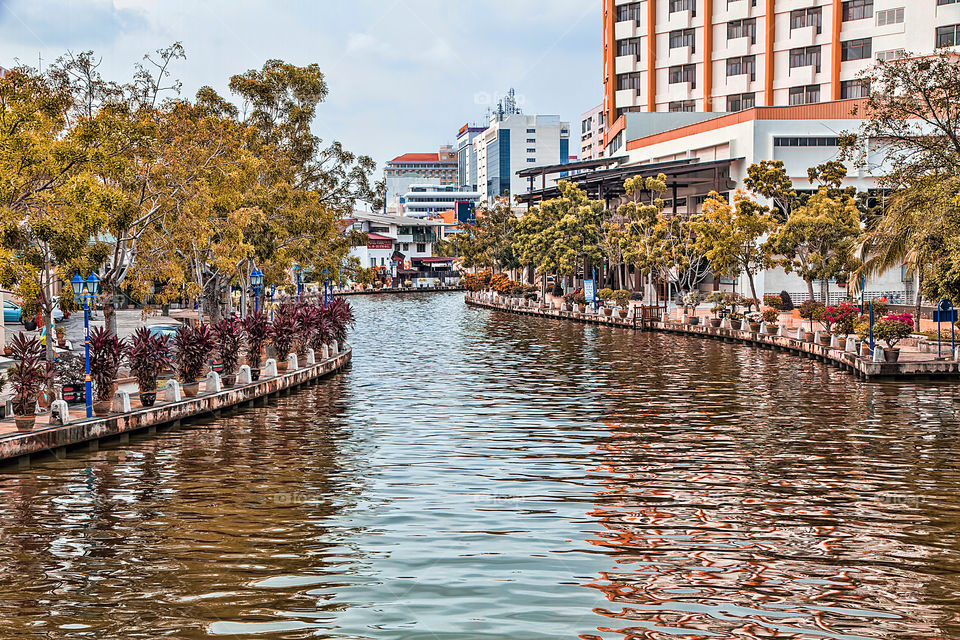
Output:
x=514 y=142
x=418 y=168
x=591 y=133
x=401 y=247
x=467 y=157
x=424 y=200
x=732 y=55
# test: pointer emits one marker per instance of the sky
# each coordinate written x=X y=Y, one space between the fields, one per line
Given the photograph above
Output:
x=403 y=75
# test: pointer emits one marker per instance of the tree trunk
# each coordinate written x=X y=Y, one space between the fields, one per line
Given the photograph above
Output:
x=107 y=297
x=753 y=289
x=813 y=297
x=919 y=300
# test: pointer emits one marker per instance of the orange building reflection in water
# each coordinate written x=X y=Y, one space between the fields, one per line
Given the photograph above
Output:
x=714 y=533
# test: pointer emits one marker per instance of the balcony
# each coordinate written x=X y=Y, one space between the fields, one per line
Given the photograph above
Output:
x=738 y=10
x=805 y=75
x=680 y=20
x=737 y=47
x=738 y=84
x=679 y=55
x=627 y=29
x=681 y=91
x=627 y=98
x=424 y=237
x=628 y=64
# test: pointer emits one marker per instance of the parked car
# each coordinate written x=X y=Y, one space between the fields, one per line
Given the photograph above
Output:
x=12 y=313
x=168 y=330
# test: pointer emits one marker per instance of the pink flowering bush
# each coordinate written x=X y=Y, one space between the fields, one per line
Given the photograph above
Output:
x=841 y=317
x=893 y=328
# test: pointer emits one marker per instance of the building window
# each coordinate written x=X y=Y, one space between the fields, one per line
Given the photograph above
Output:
x=746 y=28
x=812 y=17
x=741 y=101
x=940 y=2
x=744 y=65
x=856 y=49
x=531 y=150
x=628 y=12
x=684 y=73
x=684 y=38
x=406 y=246
x=686 y=106
x=373 y=262
x=629 y=81
x=683 y=5
x=809 y=94
x=629 y=47
x=891 y=16
x=421 y=247
x=854 y=89
x=806 y=142
x=892 y=54
x=805 y=57
x=948 y=36
x=857 y=10
x=531 y=130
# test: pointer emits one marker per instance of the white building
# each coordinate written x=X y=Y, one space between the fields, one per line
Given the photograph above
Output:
x=591 y=133
x=467 y=157
x=514 y=142
x=424 y=200
x=418 y=168
x=402 y=247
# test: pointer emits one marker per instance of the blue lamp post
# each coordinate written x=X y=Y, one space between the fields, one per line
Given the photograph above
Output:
x=84 y=293
x=299 y=274
x=256 y=282
x=326 y=287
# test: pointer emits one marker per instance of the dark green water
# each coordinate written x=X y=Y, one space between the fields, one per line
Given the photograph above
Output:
x=482 y=475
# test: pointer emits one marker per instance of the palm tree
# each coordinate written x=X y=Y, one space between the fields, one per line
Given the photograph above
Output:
x=911 y=231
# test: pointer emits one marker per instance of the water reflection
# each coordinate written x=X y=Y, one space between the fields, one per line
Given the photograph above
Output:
x=483 y=475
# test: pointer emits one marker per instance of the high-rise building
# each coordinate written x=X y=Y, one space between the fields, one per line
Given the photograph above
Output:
x=419 y=168
x=513 y=142
x=732 y=55
x=591 y=133
x=467 y=156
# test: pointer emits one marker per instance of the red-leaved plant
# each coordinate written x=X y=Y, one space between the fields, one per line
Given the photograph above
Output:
x=257 y=327
x=26 y=374
x=148 y=355
x=106 y=356
x=227 y=338
x=194 y=346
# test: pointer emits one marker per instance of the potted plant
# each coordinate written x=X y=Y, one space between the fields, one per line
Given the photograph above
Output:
x=283 y=331
x=862 y=329
x=342 y=318
x=842 y=317
x=148 y=355
x=106 y=355
x=604 y=295
x=26 y=376
x=810 y=310
x=61 y=336
x=736 y=320
x=193 y=348
x=774 y=302
x=754 y=318
x=892 y=329
x=227 y=338
x=581 y=301
x=621 y=298
x=771 y=317
x=257 y=327
x=692 y=300
x=719 y=308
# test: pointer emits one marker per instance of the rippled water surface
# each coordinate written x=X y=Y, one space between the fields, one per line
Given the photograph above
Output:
x=475 y=474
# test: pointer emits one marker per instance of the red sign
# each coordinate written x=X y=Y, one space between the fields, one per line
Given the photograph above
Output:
x=379 y=244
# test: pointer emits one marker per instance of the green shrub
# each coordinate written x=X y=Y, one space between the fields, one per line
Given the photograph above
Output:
x=622 y=298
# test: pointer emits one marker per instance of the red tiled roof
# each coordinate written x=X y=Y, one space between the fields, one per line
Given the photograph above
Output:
x=418 y=157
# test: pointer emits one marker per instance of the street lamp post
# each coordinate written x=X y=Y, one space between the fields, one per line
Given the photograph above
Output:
x=299 y=274
x=256 y=282
x=84 y=292
x=326 y=287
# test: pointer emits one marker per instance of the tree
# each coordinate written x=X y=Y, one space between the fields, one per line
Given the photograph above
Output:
x=643 y=241
x=729 y=236
x=52 y=209
x=769 y=179
x=490 y=241
x=912 y=120
x=562 y=234
x=817 y=240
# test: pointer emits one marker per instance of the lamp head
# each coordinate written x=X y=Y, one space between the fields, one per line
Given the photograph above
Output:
x=77 y=284
x=93 y=284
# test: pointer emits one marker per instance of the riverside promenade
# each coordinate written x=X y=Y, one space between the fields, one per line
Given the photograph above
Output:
x=62 y=430
x=914 y=364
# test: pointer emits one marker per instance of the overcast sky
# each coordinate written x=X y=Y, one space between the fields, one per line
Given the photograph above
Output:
x=404 y=75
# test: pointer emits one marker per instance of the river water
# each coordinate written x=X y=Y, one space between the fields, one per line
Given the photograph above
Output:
x=476 y=474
